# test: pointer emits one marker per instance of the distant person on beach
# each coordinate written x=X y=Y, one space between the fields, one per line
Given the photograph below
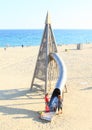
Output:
x=22 y=45
x=60 y=100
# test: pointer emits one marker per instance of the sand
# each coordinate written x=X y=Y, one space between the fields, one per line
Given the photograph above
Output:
x=19 y=107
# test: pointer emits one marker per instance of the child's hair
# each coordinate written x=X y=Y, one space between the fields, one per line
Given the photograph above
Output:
x=46 y=94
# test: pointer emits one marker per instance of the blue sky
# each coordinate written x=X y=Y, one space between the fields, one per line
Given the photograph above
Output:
x=30 y=14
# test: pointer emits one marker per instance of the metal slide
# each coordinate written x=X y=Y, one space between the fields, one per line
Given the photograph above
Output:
x=61 y=82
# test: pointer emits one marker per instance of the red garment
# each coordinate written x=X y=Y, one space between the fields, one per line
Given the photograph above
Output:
x=47 y=109
x=46 y=99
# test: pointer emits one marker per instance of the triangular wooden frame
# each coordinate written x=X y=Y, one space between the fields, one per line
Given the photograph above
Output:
x=47 y=46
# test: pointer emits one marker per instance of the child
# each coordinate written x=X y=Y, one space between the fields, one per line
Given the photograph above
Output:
x=47 y=103
x=59 y=104
x=46 y=99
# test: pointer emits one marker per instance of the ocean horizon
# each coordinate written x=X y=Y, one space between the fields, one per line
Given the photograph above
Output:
x=33 y=37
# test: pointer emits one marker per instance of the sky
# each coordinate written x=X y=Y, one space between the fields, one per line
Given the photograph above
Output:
x=31 y=14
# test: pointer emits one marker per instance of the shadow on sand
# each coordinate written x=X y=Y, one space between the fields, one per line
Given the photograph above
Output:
x=17 y=94
x=23 y=113
x=87 y=88
x=21 y=94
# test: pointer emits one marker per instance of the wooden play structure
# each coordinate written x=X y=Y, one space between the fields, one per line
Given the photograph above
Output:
x=46 y=68
x=50 y=66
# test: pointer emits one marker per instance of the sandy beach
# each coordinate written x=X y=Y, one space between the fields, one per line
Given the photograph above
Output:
x=19 y=107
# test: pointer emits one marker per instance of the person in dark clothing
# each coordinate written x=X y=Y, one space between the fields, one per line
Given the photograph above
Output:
x=60 y=100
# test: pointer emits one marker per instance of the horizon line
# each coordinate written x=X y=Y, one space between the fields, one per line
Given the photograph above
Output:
x=43 y=28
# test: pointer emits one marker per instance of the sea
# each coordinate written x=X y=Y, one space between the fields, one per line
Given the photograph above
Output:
x=33 y=37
